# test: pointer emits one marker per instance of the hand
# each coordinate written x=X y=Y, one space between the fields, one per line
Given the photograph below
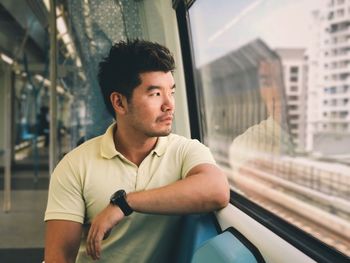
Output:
x=100 y=227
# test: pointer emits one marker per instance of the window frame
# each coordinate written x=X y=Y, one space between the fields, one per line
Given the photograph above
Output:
x=305 y=242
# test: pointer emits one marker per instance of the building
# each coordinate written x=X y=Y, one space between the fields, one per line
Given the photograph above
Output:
x=295 y=83
x=329 y=80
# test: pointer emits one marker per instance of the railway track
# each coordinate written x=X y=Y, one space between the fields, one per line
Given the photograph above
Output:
x=316 y=216
x=329 y=237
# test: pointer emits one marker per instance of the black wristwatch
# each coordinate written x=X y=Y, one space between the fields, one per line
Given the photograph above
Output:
x=119 y=199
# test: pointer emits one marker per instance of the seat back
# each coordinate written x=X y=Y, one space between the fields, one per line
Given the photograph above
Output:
x=229 y=246
x=196 y=229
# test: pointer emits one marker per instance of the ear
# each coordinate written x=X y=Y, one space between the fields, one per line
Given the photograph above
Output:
x=119 y=102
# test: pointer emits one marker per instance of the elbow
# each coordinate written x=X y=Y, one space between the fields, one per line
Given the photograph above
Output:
x=222 y=196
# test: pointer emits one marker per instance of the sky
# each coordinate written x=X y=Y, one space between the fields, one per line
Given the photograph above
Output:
x=221 y=26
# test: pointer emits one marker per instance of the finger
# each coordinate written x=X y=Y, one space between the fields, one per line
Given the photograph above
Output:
x=90 y=245
x=98 y=243
x=94 y=245
x=88 y=240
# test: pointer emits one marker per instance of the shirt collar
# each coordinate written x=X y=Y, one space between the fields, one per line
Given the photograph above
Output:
x=159 y=150
x=108 y=147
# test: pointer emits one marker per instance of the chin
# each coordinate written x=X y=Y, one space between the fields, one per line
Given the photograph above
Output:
x=164 y=133
x=159 y=133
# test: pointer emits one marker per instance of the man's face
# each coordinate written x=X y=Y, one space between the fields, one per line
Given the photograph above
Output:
x=151 y=108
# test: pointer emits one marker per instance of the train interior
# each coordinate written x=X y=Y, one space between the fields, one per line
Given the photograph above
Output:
x=290 y=187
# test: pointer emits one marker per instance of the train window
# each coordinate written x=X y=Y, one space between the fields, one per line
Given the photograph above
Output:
x=285 y=160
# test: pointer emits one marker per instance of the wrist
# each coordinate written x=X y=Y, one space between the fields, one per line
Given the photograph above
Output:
x=115 y=210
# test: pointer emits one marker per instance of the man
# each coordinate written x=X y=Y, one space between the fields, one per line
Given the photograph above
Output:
x=163 y=174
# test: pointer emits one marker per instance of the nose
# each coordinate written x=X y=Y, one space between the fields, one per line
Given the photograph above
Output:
x=168 y=103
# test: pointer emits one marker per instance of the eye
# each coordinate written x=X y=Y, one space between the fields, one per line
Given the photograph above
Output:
x=155 y=94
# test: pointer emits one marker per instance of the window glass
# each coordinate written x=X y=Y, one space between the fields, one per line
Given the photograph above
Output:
x=294 y=69
x=294 y=88
x=293 y=79
x=288 y=153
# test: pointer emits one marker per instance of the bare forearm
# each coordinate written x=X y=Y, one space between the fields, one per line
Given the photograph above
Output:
x=62 y=241
x=196 y=193
x=58 y=258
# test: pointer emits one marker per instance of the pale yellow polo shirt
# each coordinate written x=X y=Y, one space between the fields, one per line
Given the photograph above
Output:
x=84 y=180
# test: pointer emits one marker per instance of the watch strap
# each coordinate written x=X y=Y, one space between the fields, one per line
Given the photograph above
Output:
x=119 y=199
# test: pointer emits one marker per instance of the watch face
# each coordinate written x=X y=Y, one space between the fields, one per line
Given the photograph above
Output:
x=117 y=195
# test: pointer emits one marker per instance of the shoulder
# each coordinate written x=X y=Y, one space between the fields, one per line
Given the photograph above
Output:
x=188 y=152
x=184 y=145
x=88 y=148
x=74 y=164
x=180 y=140
x=78 y=157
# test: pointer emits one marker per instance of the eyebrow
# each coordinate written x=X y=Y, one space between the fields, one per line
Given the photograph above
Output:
x=150 y=88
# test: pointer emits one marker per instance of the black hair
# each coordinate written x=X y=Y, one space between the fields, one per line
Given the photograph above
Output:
x=120 y=70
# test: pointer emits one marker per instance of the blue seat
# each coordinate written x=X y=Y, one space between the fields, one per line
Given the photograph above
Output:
x=229 y=246
x=196 y=229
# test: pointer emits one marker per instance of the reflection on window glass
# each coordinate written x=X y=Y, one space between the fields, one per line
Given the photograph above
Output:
x=272 y=78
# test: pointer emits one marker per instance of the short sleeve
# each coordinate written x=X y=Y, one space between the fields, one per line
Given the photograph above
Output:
x=65 y=199
x=195 y=153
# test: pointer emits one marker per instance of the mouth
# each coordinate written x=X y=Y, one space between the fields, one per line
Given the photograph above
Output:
x=168 y=118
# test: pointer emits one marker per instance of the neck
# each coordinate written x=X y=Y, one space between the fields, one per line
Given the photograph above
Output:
x=134 y=147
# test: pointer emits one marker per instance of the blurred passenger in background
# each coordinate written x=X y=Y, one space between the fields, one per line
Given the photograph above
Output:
x=43 y=123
